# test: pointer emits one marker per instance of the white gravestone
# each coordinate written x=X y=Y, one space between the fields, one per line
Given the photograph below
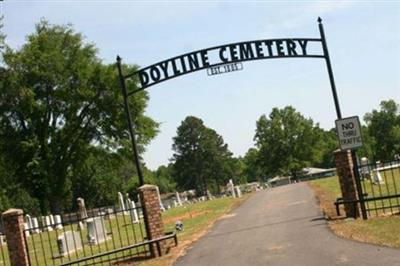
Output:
x=133 y=212
x=2 y=240
x=178 y=199
x=121 y=203
x=51 y=220
x=231 y=187
x=26 y=226
x=35 y=226
x=96 y=230
x=376 y=177
x=238 y=192
x=28 y=220
x=46 y=223
x=69 y=242
x=58 y=222
x=159 y=199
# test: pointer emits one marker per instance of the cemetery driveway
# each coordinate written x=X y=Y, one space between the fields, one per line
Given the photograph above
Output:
x=281 y=226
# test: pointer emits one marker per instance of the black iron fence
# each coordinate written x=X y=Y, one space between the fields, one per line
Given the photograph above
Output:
x=104 y=236
x=380 y=183
x=4 y=258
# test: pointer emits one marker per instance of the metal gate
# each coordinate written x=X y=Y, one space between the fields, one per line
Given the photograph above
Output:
x=380 y=185
x=104 y=237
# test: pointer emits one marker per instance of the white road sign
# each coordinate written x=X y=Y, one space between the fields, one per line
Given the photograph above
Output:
x=349 y=133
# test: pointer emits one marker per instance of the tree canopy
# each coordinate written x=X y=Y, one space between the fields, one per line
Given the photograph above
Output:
x=287 y=142
x=201 y=158
x=60 y=105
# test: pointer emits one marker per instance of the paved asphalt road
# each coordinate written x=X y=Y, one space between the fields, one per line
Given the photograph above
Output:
x=281 y=226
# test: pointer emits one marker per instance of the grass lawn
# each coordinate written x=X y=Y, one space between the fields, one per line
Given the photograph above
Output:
x=381 y=230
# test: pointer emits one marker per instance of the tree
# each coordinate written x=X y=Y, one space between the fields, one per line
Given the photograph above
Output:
x=384 y=127
x=164 y=178
x=252 y=168
x=201 y=158
x=287 y=142
x=58 y=101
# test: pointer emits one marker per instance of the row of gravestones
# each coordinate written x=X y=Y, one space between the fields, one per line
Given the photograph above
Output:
x=49 y=222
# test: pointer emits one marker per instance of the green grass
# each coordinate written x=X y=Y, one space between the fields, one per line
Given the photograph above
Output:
x=381 y=230
x=43 y=247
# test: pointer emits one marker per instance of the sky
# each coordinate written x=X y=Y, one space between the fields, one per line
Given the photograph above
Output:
x=363 y=39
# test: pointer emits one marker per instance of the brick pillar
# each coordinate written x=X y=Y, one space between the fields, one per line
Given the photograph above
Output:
x=344 y=168
x=152 y=217
x=13 y=222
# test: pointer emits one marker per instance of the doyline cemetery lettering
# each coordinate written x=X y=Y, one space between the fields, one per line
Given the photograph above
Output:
x=222 y=55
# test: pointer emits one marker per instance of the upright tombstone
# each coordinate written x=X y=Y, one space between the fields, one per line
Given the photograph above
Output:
x=121 y=203
x=46 y=223
x=58 y=222
x=51 y=220
x=26 y=226
x=68 y=243
x=133 y=212
x=238 y=192
x=178 y=198
x=96 y=231
x=159 y=199
x=28 y=221
x=82 y=214
x=231 y=187
x=35 y=226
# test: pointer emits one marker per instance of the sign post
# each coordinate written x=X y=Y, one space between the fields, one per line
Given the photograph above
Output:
x=349 y=135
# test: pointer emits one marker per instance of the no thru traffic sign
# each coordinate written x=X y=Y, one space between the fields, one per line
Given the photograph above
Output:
x=349 y=133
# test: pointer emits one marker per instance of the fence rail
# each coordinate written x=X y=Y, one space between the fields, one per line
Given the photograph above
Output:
x=103 y=236
x=4 y=259
x=381 y=184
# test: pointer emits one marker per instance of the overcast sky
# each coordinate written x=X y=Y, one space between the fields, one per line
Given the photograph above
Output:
x=363 y=40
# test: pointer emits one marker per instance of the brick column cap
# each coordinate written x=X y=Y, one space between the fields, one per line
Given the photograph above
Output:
x=148 y=187
x=12 y=212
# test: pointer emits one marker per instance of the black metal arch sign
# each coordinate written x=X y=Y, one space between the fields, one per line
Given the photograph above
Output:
x=221 y=55
x=225 y=57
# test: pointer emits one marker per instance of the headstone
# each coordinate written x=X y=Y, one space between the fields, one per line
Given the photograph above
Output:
x=178 y=198
x=2 y=240
x=159 y=199
x=69 y=242
x=133 y=212
x=231 y=188
x=46 y=223
x=121 y=203
x=51 y=220
x=35 y=226
x=82 y=214
x=28 y=220
x=96 y=231
x=58 y=222
x=238 y=192
x=376 y=177
x=27 y=228
x=365 y=171
x=175 y=204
